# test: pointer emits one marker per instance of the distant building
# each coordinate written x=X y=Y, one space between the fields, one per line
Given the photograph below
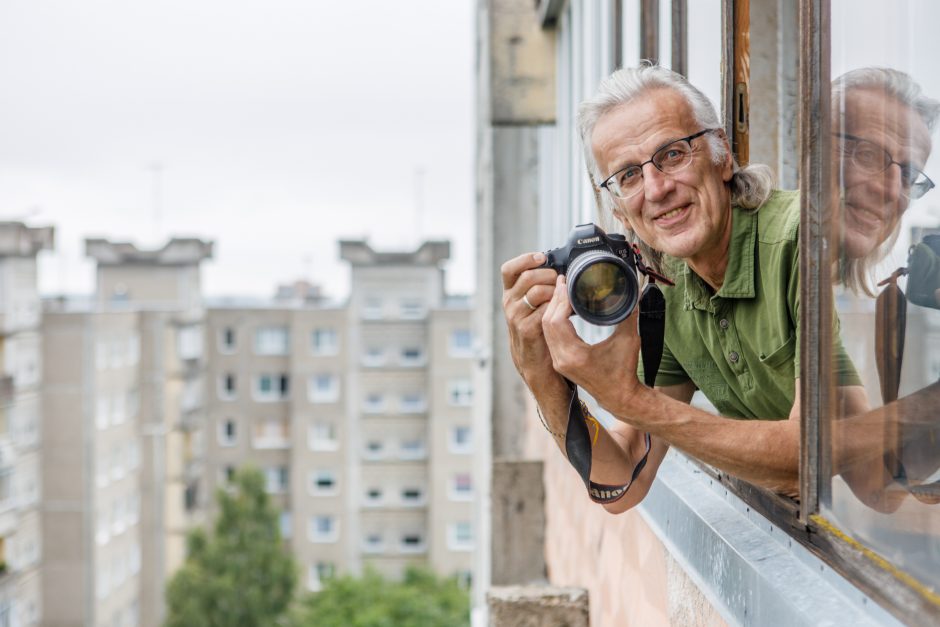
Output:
x=358 y=416
x=21 y=480
x=124 y=398
x=300 y=292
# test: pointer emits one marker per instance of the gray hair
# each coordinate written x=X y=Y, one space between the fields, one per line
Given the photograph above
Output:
x=855 y=274
x=751 y=186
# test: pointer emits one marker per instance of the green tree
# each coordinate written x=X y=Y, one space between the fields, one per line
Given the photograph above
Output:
x=421 y=600
x=241 y=574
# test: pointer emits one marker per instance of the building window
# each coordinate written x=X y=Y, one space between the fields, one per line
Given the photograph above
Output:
x=323 y=483
x=323 y=388
x=374 y=403
x=412 y=356
x=460 y=536
x=411 y=309
x=372 y=308
x=227 y=475
x=132 y=402
x=461 y=343
x=324 y=342
x=461 y=440
x=271 y=433
x=227 y=432
x=103 y=412
x=461 y=487
x=373 y=357
x=103 y=533
x=319 y=573
x=189 y=342
x=412 y=496
x=276 y=479
x=227 y=340
x=272 y=341
x=321 y=436
x=227 y=391
x=271 y=387
x=412 y=543
x=374 y=497
x=460 y=392
x=373 y=543
x=117 y=409
x=191 y=496
x=413 y=449
x=375 y=449
x=133 y=455
x=133 y=350
x=412 y=403
x=286 y=525
x=323 y=528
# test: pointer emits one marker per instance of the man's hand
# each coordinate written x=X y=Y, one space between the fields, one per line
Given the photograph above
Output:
x=527 y=290
x=606 y=370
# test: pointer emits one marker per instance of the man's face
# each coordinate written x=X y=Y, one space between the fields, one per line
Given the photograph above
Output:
x=872 y=204
x=685 y=214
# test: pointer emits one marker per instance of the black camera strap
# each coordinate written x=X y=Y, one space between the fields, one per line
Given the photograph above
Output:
x=652 y=328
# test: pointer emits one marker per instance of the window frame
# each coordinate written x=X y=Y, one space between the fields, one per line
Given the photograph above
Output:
x=327 y=349
x=892 y=589
x=261 y=346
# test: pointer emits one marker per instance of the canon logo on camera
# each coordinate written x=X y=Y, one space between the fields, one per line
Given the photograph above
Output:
x=589 y=240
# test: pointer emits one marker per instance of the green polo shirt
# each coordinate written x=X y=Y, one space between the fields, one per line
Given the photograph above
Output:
x=740 y=347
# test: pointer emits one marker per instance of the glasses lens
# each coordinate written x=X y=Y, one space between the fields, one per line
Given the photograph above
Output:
x=919 y=188
x=601 y=289
x=673 y=157
x=628 y=182
x=870 y=157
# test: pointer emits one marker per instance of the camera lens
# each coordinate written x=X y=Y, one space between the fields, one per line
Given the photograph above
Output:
x=602 y=288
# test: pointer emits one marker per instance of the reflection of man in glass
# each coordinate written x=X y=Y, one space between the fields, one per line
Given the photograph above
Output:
x=881 y=124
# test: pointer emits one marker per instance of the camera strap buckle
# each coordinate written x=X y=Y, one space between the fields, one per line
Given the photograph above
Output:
x=646 y=270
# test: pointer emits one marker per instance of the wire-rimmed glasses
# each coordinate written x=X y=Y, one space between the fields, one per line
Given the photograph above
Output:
x=668 y=159
x=871 y=158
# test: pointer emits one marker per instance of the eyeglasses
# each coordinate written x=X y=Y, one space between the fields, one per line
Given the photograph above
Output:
x=668 y=159
x=871 y=158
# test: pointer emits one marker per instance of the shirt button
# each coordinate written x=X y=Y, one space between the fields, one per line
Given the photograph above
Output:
x=723 y=323
x=733 y=357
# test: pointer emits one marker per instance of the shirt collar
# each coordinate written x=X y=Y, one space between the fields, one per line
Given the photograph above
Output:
x=739 y=275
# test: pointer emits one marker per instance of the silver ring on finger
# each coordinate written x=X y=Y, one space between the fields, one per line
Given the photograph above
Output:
x=525 y=299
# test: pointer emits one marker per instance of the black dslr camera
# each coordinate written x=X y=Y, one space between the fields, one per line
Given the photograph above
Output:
x=602 y=273
x=923 y=269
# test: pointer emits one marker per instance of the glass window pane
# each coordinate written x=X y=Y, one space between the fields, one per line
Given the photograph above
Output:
x=885 y=102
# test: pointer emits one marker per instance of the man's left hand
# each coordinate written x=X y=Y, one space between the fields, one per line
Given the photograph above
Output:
x=606 y=370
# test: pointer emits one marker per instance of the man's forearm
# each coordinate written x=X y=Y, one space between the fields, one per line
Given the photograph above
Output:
x=764 y=452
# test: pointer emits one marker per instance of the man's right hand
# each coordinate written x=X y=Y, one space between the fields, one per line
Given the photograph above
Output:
x=527 y=289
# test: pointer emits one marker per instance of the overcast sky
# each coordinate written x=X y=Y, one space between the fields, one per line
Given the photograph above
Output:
x=273 y=127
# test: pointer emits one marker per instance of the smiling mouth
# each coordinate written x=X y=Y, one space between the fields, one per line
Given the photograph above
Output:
x=671 y=214
x=865 y=217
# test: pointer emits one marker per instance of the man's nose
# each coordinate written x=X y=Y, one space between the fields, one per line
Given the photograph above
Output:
x=891 y=183
x=656 y=184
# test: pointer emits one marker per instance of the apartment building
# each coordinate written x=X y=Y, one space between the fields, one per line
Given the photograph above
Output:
x=20 y=454
x=358 y=415
x=124 y=408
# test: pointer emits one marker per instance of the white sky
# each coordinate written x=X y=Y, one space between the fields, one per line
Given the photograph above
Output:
x=280 y=125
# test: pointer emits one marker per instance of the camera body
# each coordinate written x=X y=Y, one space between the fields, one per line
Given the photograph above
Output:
x=603 y=286
x=923 y=267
